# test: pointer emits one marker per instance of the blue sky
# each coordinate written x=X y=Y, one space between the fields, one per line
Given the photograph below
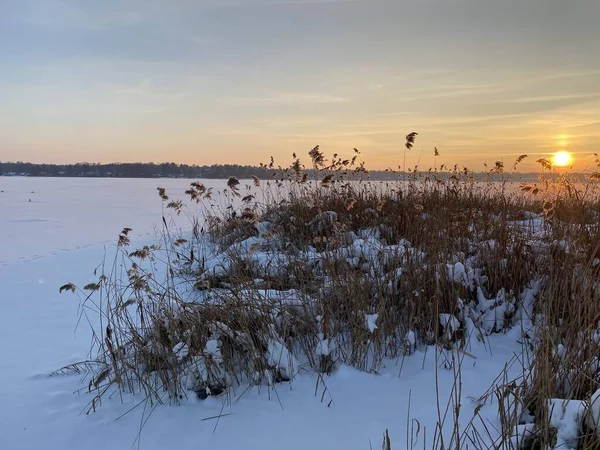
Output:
x=222 y=81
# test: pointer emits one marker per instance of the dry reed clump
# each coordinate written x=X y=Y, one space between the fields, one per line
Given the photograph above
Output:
x=316 y=269
x=552 y=405
x=565 y=365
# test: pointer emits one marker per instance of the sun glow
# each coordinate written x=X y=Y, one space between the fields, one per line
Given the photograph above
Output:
x=562 y=159
x=562 y=140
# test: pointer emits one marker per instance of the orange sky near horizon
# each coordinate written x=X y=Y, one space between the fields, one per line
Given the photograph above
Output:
x=238 y=81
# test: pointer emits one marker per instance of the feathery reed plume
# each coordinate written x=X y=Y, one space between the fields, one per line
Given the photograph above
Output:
x=519 y=160
x=67 y=287
x=124 y=237
x=327 y=180
x=177 y=205
x=349 y=203
x=410 y=140
x=198 y=191
x=297 y=168
x=545 y=163
x=92 y=287
x=318 y=158
x=162 y=193
x=232 y=184
x=249 y=216
x=498 y=167
x=141 y=253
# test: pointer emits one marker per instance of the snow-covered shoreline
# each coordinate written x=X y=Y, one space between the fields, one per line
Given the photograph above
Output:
x=345 y=409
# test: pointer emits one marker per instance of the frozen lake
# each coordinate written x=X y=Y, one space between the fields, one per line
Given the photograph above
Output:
x=42 y=216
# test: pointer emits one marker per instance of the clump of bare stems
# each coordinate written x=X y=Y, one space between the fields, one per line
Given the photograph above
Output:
x=319 y=267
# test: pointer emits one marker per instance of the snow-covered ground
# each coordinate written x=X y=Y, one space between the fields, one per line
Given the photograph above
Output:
x=63 y=233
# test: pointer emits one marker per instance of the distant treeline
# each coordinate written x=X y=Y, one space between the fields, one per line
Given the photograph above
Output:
x=217 y=171
x=129 y=170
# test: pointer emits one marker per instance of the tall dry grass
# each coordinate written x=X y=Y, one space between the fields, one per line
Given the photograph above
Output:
x=307 y=273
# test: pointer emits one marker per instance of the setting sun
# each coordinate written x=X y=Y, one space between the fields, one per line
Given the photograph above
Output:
x=562 y=159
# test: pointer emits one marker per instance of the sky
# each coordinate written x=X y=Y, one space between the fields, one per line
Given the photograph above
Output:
x=237 y=81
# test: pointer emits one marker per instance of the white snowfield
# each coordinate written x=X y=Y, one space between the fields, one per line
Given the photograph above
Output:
x=67 y=230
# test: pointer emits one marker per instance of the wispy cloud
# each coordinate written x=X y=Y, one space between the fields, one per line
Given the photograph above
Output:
x=290 y=98
x=295 y=122
x=397 y=113
x=554 y=98
x=561 y=75
x=449 y=91
x=595 y=123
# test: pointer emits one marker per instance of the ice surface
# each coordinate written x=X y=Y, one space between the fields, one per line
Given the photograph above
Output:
x=69 y=213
